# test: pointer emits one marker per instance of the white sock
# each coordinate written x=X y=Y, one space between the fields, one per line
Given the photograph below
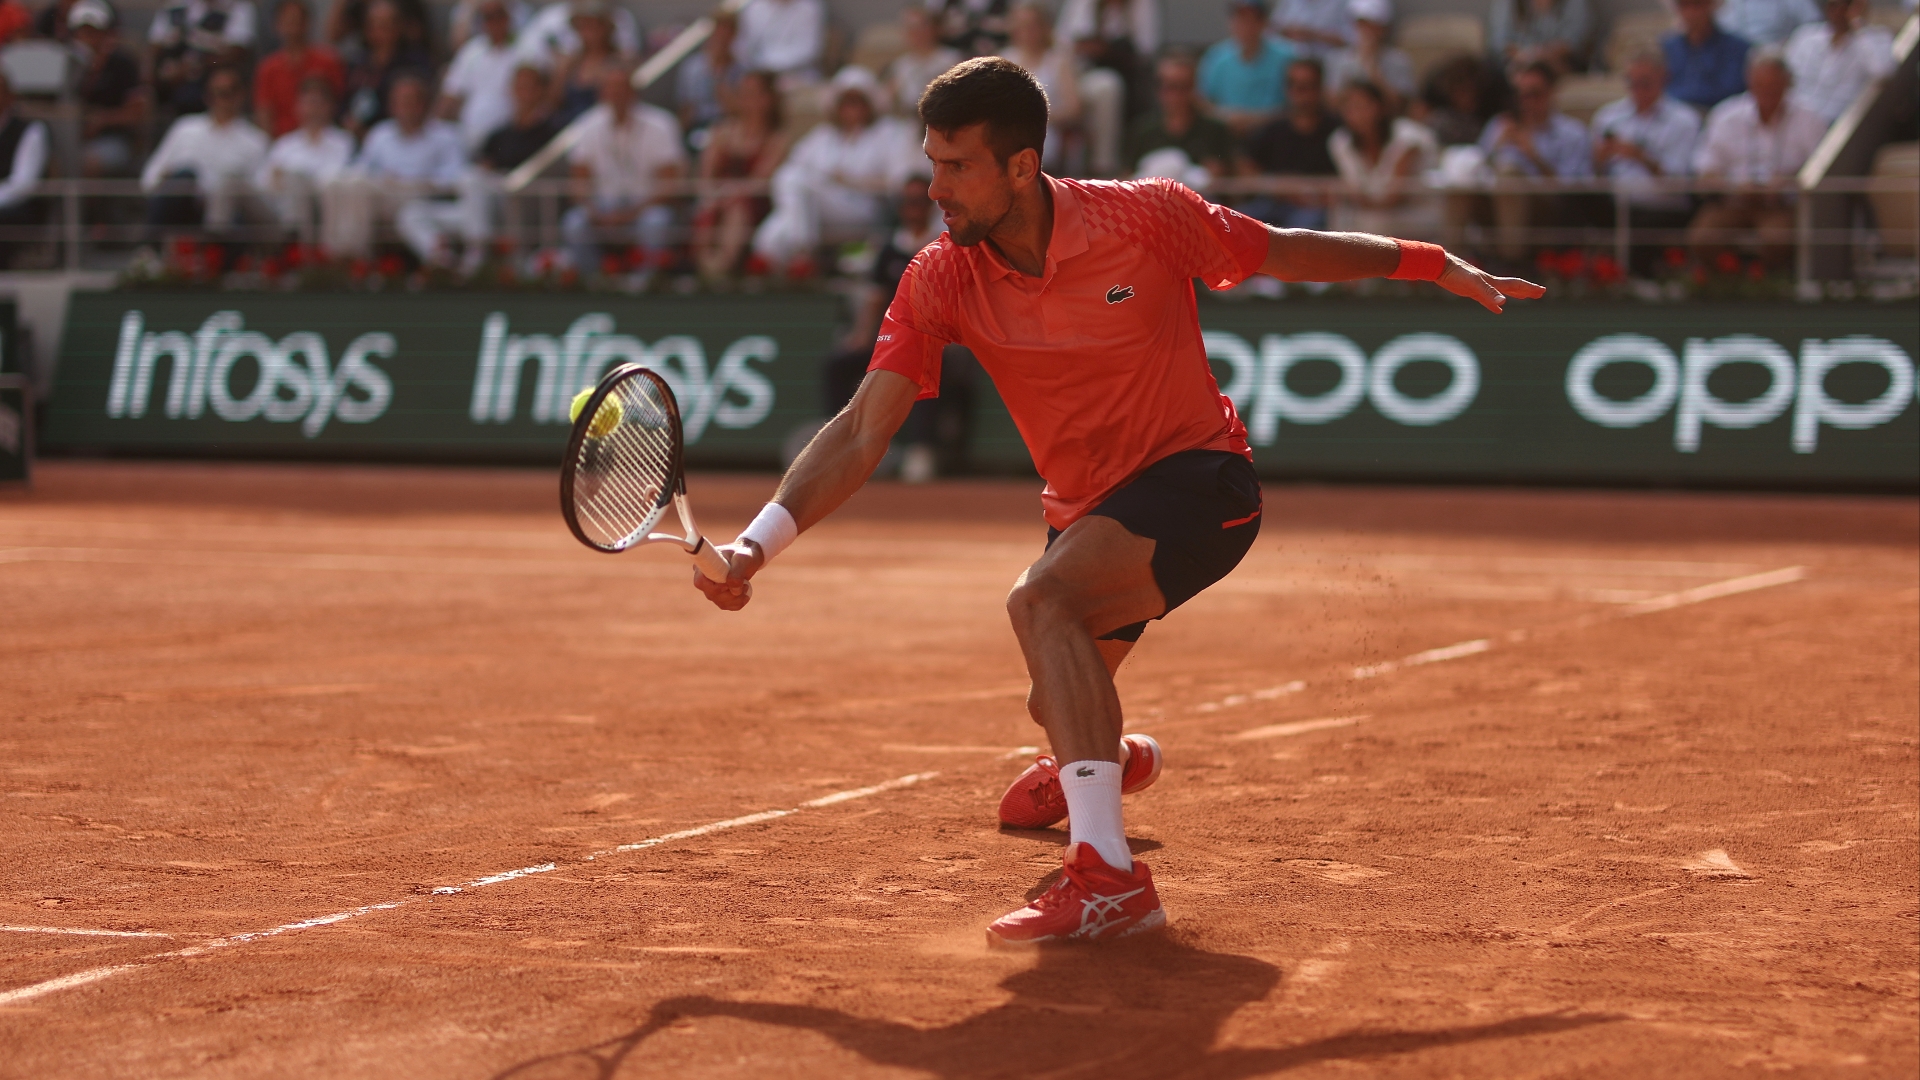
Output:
x=1093 y=809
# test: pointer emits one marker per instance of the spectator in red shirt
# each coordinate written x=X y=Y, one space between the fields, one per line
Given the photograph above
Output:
x=276 y=85
x=15 y=21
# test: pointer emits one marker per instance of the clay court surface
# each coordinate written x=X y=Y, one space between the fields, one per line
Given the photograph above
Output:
x=1460 y=782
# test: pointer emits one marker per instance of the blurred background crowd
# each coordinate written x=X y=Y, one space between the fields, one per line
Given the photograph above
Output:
x=591 y=141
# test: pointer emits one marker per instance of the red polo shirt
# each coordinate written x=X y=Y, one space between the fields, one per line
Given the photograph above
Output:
x=1099 y=359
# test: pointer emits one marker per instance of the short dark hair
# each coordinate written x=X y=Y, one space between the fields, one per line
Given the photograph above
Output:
x=1546 y=71
x=1313 y=64
x=992 y=91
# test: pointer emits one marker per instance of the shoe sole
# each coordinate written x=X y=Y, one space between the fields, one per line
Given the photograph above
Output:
x=1159 y=759
x=1156 y=920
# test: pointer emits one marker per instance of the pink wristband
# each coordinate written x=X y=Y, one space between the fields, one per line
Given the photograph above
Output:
x=1419 y=262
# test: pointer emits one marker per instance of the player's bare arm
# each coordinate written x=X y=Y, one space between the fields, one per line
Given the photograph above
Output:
x=1305 y=255
x=833 y=466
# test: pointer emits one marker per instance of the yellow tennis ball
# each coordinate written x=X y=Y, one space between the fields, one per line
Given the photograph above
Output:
x=605 y=418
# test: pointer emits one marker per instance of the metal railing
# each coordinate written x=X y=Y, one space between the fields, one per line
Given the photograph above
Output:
x=103 y=213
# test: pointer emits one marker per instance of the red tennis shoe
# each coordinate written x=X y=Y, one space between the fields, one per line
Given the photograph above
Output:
x=1035 y=801
x=1091 y=902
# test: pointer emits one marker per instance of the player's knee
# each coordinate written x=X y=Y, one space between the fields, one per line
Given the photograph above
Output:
x=1035 y=600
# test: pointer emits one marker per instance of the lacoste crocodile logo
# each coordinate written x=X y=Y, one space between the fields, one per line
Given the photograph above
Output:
x=1119 y=293
x=1083 y=771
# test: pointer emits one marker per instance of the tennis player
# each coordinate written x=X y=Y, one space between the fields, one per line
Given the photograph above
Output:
x=1077 y=297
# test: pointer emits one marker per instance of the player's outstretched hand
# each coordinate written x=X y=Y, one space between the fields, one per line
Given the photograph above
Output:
x=1462 y=278
x=743 y=561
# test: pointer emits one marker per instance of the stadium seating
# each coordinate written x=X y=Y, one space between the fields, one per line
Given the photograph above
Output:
x=1430 y=40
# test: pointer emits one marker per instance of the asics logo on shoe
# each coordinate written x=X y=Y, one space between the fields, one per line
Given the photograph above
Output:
x=1097 y=914
x=1119 y=293
x=1083 y=771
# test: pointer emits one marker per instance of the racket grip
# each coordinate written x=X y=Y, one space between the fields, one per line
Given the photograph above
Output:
x=710 y=561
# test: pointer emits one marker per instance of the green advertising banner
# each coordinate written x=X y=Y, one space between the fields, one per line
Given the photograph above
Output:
x=1747 y=394
x=1793 y=395
x=424 y=376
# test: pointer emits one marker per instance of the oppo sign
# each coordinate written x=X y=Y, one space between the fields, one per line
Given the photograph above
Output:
x=1259 y=386
x=1680 y=384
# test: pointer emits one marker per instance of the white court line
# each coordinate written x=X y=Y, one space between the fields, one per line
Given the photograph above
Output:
x=82 y=978
x=1301 y=727
x=1731 y=587
x=1786 y=575
x=78 y=932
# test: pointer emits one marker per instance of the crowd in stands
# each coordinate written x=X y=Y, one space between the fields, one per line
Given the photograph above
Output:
x=377 y=126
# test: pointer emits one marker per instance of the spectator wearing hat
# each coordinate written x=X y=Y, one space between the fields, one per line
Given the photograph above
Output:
x=576 y=83
x=218 y=151
x=1643 y=138
x=407 y=156
x=786 y=37
x=926 y=58
x=188 y=37
x=551 y=30
x=1705 y=64
x=1178 y=124
x=1032 y=46
x=1834 y=60
x=277 y=84
x=1242 y=79
x=23 y=162
x=302 y=162
x=628 y=151
x=837 y=180
x=705 y=83
x=114 y=102
x=382 y=55
x=1370 y=58
x=1558 y=33
x=1296 y=144
x=1758 y=141
x=1317 y=28
x=1534 y=141
x=476 y=94
x=1766 y=22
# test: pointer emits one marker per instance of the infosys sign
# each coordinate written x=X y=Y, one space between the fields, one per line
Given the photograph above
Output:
x=1630 y=393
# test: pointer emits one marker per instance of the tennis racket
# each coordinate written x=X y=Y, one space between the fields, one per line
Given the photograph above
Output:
x=624 y=466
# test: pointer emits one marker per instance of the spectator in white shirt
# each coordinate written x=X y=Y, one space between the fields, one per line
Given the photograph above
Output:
x=1641 y=139
x=464 y=21
x=1757 y=141
x=303 y=161
x=218 y=151
x=23 y=157
x=405 y=157
x=477 y=91
x=1382 y=159
x=627 y=151
x=1317 y=28
x=1032 y=47
x=836 y=183
x=1833 y=61
x=430 y=225
x=924 y=61
x=1765 y=22
x=785 y=37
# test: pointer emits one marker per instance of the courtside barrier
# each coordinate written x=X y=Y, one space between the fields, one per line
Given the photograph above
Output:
x=1734 y=394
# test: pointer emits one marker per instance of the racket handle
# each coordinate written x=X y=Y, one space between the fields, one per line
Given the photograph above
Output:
x=710 y=561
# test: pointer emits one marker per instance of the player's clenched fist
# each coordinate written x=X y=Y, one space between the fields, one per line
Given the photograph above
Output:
x=743 y=561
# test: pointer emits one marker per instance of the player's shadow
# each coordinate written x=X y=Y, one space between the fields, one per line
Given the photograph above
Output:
x=1145 y=1008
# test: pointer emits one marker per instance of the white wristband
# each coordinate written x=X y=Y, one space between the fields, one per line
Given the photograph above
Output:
x=772 y=529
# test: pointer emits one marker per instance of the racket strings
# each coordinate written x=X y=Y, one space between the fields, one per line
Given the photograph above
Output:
x=621 y=477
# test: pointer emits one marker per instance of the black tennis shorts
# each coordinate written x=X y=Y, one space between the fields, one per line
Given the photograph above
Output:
x=1201 y=508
